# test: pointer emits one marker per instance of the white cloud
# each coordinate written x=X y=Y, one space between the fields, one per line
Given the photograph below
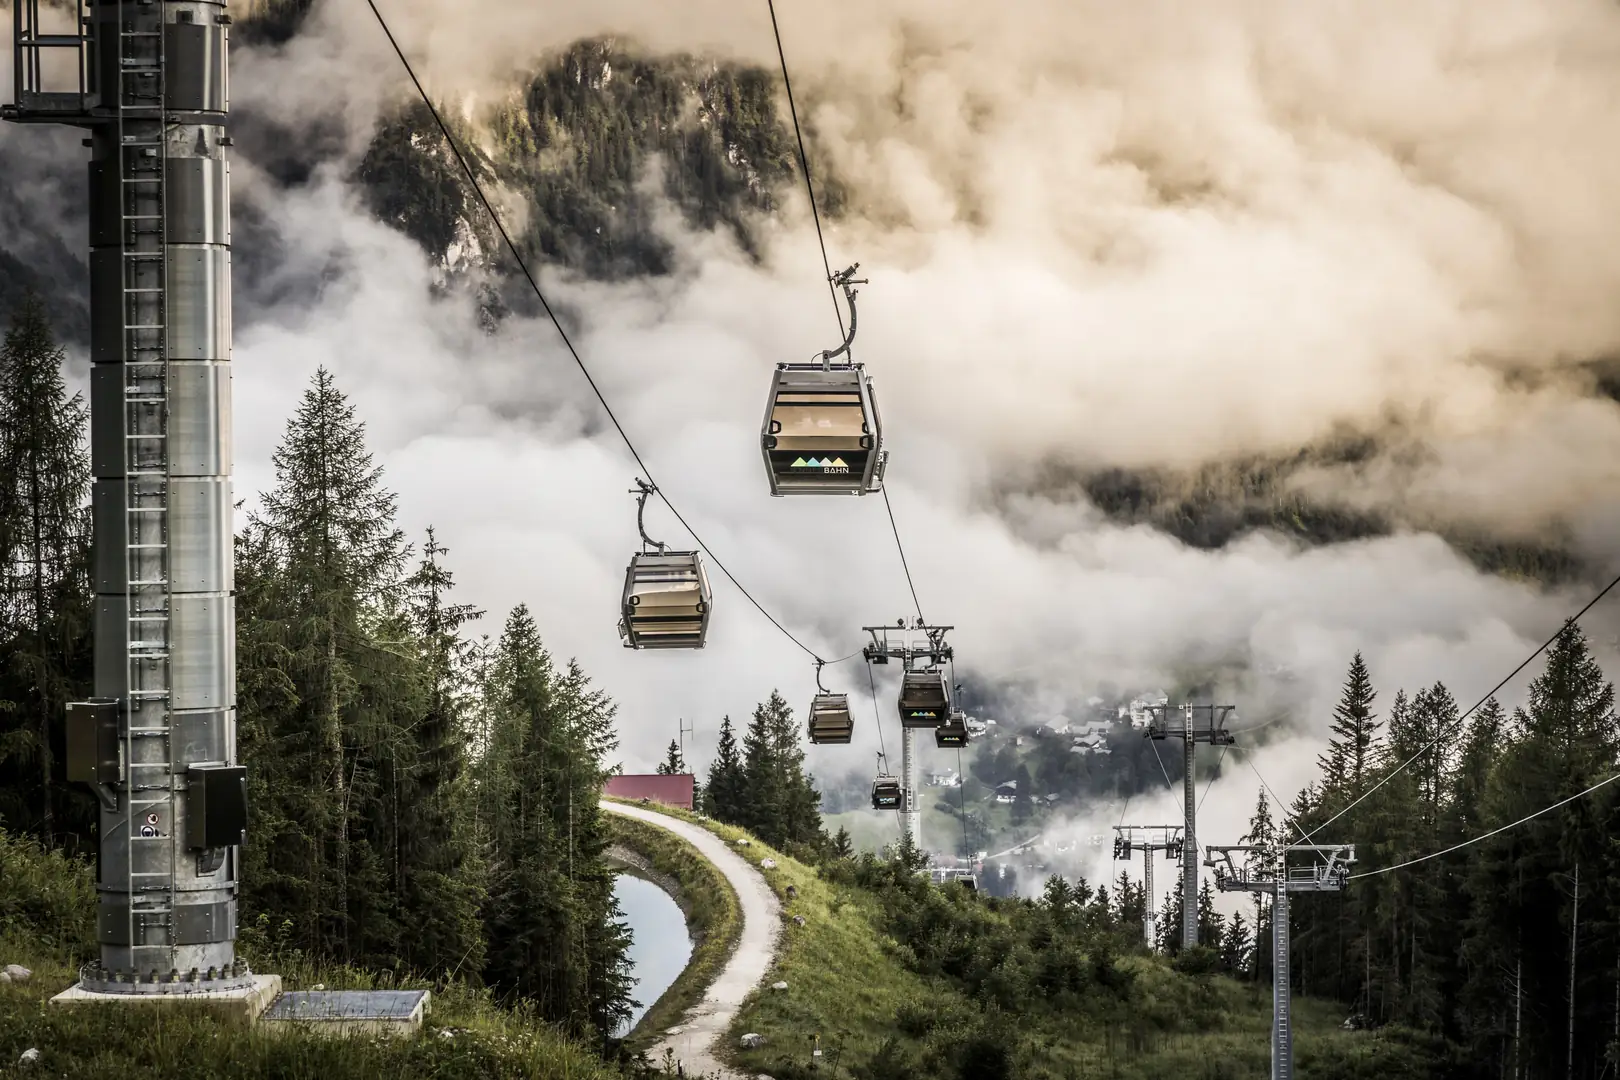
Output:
x=1114 y=234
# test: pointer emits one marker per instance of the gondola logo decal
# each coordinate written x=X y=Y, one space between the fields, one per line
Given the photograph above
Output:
x=832 y=465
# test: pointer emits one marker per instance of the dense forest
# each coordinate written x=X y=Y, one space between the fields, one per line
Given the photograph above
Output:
x=1509 y=947
x=421 y=801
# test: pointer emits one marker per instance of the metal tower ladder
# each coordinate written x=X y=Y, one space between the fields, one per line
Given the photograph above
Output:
x=142 y=126
x=1282 y=1028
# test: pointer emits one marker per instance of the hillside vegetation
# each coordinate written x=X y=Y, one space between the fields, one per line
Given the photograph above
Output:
x=47 y=924
x=900 y=978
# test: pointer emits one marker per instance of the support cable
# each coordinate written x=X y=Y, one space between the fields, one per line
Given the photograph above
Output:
x=1171 y=788
x=1217 y=776
x=826 y=266
x=877 y=720
x=523 y=266
x=1288 y=815
x=804 y=166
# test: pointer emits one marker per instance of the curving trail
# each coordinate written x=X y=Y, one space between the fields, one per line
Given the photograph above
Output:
x=704 y=1025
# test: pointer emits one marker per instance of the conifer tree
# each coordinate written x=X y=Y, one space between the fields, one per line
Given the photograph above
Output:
x=329 y=570
x=723 y=791
x=45 y=613
x=1211 y=923
x=781 y=805
x=1487 y=729
x=1263 y=832
x=1237 y=948
x=555 y=932
x=1352 y=748
x=842 y=847
x=441 y=880
x=673 y=764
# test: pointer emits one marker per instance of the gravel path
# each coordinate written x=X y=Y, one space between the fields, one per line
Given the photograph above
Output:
x=705 y=1024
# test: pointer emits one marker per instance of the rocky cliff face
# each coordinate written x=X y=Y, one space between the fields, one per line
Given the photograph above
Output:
x=592 y=148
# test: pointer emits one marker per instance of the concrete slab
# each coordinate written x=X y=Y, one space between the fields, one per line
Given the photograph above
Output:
x=350 y=1012
x=242 y=1006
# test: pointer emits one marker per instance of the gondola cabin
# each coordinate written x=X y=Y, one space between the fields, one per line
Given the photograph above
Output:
x=666 y=601
x=953 y=733
x=924 y=700
x=822 y=435
x=830 y=721
x=886 y=793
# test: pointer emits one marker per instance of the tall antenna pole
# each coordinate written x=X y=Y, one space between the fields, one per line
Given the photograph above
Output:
x=685 y=730
x=1191 y=724
x=158 y=741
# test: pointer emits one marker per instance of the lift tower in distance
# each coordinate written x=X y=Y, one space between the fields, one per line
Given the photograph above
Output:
x=1192 y=724
x=1129 y=839
x=1265 y=870
x=146 y=80
x=918 y=647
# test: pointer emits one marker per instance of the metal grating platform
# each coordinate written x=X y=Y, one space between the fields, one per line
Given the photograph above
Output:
x=350 y=1012
x=397 y=1005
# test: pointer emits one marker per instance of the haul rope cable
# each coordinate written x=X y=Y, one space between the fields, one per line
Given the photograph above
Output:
x=1434 y=854
x=826 y=266
x=523 y=266
x=1287 y=814
x=1487 y=836
x=1590 y=604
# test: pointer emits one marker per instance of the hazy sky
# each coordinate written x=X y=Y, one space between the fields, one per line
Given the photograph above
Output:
x=1096 y=233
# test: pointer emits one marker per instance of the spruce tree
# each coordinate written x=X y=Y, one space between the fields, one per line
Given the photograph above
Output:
x=780 y=804
x=440 y=876
x=555 y=932
x=1487 y=729
x=45 y=606
x=1170 y=920
x=673 y=764
x=1211 y=923
x=1237 y=949
x=842 y=847
x=723 y=791
x=328 y=568
x=1352 y=747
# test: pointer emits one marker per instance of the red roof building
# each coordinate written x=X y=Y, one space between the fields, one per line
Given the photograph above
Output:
x=670 y=790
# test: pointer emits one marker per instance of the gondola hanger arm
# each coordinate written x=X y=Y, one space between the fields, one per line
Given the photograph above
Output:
x=845 y=279
x=642 y=491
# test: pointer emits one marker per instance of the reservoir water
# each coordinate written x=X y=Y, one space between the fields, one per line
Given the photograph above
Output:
x=659 y=947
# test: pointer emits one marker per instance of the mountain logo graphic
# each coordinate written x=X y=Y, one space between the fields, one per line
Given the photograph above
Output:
x=832 y=465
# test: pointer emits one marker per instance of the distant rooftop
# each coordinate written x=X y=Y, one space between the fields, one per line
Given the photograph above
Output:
x=670 y=790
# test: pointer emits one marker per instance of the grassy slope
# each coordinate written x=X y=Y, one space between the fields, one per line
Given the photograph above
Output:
x=847 y=983
x=841 y=983
x=713 y=919
x=47 y=913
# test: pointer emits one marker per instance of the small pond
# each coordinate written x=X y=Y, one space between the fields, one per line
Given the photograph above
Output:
x=659 y=947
